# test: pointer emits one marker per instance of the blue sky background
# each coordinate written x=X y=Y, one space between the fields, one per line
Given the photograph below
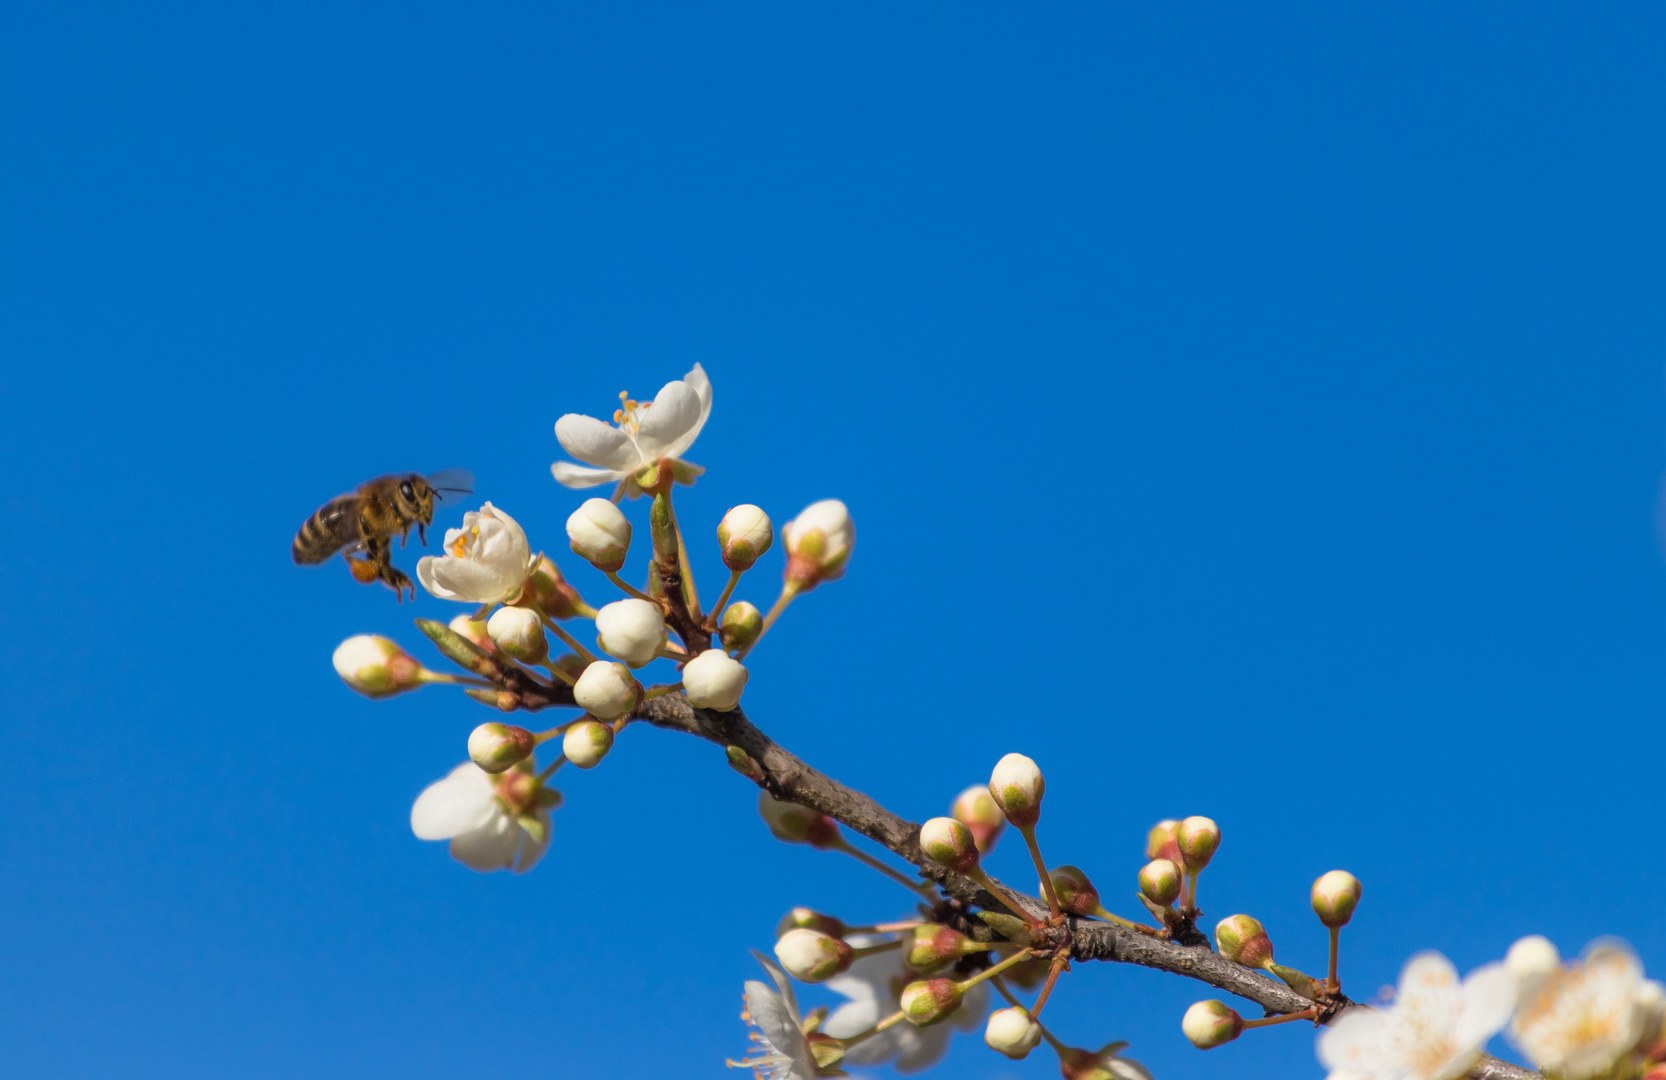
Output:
x=1286 y=383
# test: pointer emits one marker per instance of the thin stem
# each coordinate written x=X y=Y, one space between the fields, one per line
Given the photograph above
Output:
x=1003 y=894
x=884 y=927
x=1060 y=959
x=990 y=972
x=457 y=680
x=1335 y=944
x=672 y=652
x=1269 y=1021
x=728 y=590
x=559 y=674
x=872 y=950
x=1126 y=924
x=568 y=640
x=632 y=590
x=661 y=691
x=691 y=595
x=560 y=729
x=890 y=1021
x=788 y=592
x=1028 y=832
x=550 y=770
x=863 y=857
x=1191 y=891
x=1000 y=985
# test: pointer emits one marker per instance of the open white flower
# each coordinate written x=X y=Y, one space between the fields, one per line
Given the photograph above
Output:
x=1584 y=1016
x=642 y=433
x=466 y=809
x=486 y=561
x=783 y=1053
x=1435 y=1029
x=874 y=986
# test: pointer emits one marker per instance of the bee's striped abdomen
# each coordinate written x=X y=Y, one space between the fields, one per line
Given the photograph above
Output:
x=333 y=527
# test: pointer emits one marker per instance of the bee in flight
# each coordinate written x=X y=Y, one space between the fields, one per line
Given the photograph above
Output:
x=368 y=519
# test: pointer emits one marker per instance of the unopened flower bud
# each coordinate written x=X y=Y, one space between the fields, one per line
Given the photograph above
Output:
x=662 y=528
x=797 y=824
x=1198 y=839
x=1160 y=842
x=553 y=594
x=1016 y=786
x=1075 y=892
x=1242 y=940
x=1011 y=1032
x=818 y=543
x=600 y=534
x=977 y=808
x=740 y=626
x=926 y=1002
x=607 y=690
x=1335 y=896
x=930 y=946
x=377 y=667
x=1209 y=1024
x=495 y=747
x=475 y=631
x=1531 y=959
x=744 y=535
x=744 y=763
x=802 y=918
x=519 y=633
x=633 y=630
x=714 y=680
x=1160 y=881
x=587 y=742
x=812 y=956
x=949 y=843
x=501 y=700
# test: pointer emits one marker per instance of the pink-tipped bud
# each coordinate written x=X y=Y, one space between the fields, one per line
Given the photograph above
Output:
x=550 y=590
x=587 y=742
x=802 y=918
x=607 y=690
x=977 y=808
x=1198 y=839
x=377 y=667
x=930 y=1000
x=1242 y=940
x=599 y=533
x=1160 y=842
x=744 y=535
x=812 y=956
x=1160 y=881
x=949 y=843
x=495 y=747
x=1017 y=785
x=1075 y=892
x=1209 y=1024
x=1010 y=1031
x=474 y=631
x=740 y=626
x=1335 y=896
x=797 y=824
x=929 y=947
x=519 y=633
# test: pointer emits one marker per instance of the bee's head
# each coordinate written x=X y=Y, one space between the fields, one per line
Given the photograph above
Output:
x=416 y=499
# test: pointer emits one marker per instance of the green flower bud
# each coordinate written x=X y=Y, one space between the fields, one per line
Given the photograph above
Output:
x=797 y=824
x=740 y=626
x=599 y=534
x=495 y=747
x=744 y=535
x=1017 y=785
x=930 y=1000
x=1012 y=1032
x=377 y=667
x=929 y=947
x=812 y=956
x=1198 y=839
x=1243 y=941
x=948 y=842
x=977 y=808
x=1160 y=881
x=519 y=633
x=1075 y=892
x=1160 y=843
x=1335 y=896
x=1209 y=1024
x=802 y=918
x=587 y=742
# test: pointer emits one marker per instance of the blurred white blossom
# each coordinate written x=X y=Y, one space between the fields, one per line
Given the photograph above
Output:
x=1585 y=1015
x=874 y=986
x=1435 y=1030
x=464 y=808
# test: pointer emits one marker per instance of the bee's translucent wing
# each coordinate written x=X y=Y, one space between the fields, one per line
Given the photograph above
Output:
x=451 y=482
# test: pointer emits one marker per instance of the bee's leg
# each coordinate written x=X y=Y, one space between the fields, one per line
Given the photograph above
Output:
x=400 y=582
x=363 y=570
x=422 y=533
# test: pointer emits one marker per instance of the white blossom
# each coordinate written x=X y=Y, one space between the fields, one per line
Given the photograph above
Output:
x=783 y=1052
x=714 y=680
x=486 y=561
x=464 y=808
x=633 y=630
x=642 y=433
x=874 y=986
x=607 y=690
x=1435 y=1030
x=1584 y=1016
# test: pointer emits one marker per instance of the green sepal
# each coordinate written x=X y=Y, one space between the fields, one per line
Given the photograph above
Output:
x=460 y=650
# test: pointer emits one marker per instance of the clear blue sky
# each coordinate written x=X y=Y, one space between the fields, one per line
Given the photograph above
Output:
x=1288 y=382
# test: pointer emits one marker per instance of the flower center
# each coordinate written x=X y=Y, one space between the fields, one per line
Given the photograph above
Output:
x=629 y=415
x=460 y=546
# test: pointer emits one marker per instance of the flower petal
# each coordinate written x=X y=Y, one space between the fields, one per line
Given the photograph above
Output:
x=490 y=847
x=852 y=1017
x=531 y=850
x=1354 y=1041
x=1489 y=997
x=779 y=1024
x=667 y=427
x=578 y=476
x=702 y=388
x=924 y=1050
x=463 y=579
x=455 y=805
x=596 y=443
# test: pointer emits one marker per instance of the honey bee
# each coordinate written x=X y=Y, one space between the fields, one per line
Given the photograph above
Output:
x=367 y=519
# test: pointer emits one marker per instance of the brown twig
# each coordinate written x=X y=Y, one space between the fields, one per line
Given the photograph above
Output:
x=785 y=776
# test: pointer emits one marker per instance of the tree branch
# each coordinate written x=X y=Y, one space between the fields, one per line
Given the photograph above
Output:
x=786 y=777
